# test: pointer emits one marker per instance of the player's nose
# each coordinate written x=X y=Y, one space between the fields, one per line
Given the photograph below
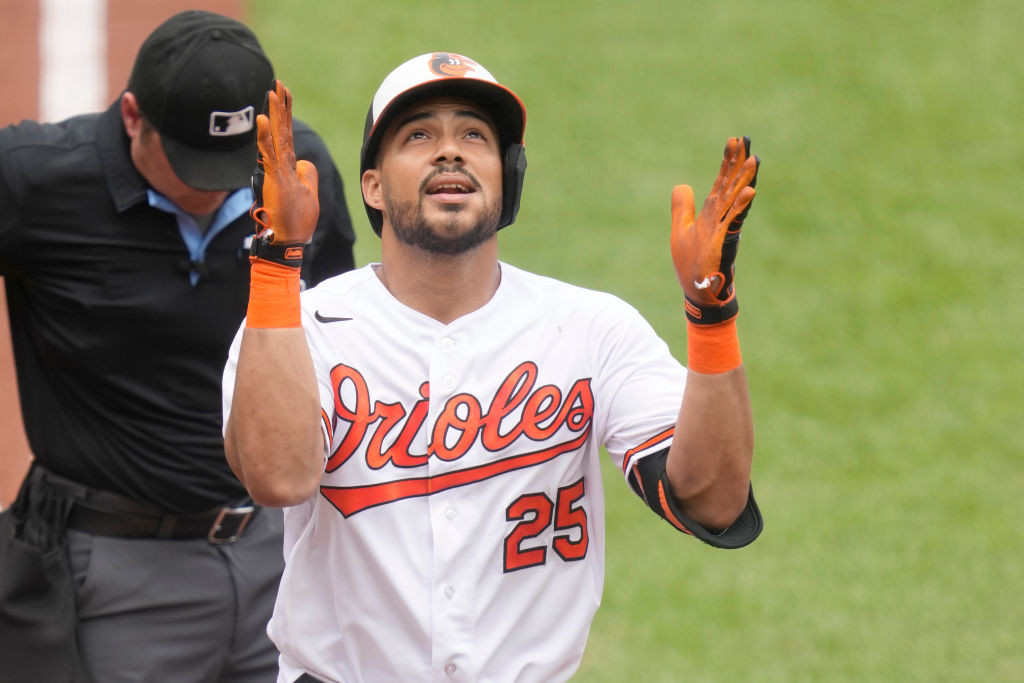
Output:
x=448 y=149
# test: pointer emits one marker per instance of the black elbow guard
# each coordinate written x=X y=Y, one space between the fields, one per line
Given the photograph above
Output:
x=650 y=481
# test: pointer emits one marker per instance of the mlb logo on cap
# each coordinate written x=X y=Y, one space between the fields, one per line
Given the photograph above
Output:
x=231 y=122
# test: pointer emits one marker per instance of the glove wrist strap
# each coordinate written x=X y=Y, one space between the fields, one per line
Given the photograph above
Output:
x=273 y=295
x=711 y=315
x=713 y=349
x=288 y=254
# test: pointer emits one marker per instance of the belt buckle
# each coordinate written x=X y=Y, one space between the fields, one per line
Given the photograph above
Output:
x=229 y=524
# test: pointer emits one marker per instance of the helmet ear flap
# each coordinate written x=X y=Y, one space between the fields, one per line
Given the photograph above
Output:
x=513 y=172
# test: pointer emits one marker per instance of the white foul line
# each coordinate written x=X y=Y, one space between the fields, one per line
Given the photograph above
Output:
x=72 y=57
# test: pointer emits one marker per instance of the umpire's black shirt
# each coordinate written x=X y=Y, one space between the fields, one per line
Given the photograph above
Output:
x=120 y=334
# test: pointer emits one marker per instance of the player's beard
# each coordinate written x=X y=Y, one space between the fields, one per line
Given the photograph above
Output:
x=411 y=227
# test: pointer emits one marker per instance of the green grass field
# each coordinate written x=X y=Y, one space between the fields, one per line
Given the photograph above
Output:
x=880 y=282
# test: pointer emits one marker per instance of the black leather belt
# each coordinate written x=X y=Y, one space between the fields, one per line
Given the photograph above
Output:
x=105 y=513
x=220 y=525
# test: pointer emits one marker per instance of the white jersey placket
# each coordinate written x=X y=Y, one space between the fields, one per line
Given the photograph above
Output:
x=452 y=600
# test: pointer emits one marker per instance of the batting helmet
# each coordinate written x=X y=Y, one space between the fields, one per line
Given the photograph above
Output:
x=446 y=73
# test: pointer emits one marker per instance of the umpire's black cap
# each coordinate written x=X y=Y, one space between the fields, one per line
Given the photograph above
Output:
x=200 y=79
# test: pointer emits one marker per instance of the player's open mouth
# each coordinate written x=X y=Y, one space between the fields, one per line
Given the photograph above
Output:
x=450 y=186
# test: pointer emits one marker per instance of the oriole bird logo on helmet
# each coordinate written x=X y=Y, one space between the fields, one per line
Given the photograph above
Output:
x=451 y=64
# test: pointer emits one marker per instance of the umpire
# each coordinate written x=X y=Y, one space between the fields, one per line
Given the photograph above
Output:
x=132 y=552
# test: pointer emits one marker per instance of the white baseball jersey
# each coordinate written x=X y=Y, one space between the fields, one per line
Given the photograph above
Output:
x=458 y=534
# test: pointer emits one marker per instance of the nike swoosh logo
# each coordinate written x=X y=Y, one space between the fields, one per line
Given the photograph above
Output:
x=328 y=318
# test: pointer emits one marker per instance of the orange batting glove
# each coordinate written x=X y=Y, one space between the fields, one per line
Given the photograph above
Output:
x=704 y=250
x=286 y=207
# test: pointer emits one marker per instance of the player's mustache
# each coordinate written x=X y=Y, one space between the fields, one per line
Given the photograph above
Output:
x=454 y=168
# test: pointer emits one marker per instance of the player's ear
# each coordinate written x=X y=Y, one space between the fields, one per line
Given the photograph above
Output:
x=373 y=195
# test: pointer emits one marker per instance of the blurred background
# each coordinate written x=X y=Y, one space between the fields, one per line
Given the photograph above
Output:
x=879 y=279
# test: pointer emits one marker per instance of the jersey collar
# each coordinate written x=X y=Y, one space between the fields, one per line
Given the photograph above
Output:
x=125 y=184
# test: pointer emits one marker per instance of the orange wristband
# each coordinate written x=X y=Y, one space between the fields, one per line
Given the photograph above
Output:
x=274 y=296
x=713 y=349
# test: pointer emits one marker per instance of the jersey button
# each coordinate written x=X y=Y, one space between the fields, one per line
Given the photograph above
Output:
x=450 y=669
x=449 y=592
x=451 y=514
x=449 y=381
x=447 y=343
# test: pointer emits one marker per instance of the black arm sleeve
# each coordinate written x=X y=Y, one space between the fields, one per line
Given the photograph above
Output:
x=650 y=481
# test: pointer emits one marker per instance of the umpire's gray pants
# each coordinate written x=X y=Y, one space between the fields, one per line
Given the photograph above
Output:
x=159 y=611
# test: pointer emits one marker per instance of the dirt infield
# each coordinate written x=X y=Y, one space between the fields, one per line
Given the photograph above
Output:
x=127 y=24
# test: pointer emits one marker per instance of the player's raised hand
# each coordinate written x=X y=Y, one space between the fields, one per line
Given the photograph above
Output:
x=286 y=190
x=704 y=249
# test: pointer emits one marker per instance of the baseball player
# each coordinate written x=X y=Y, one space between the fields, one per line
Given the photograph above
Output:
x=432 y=422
